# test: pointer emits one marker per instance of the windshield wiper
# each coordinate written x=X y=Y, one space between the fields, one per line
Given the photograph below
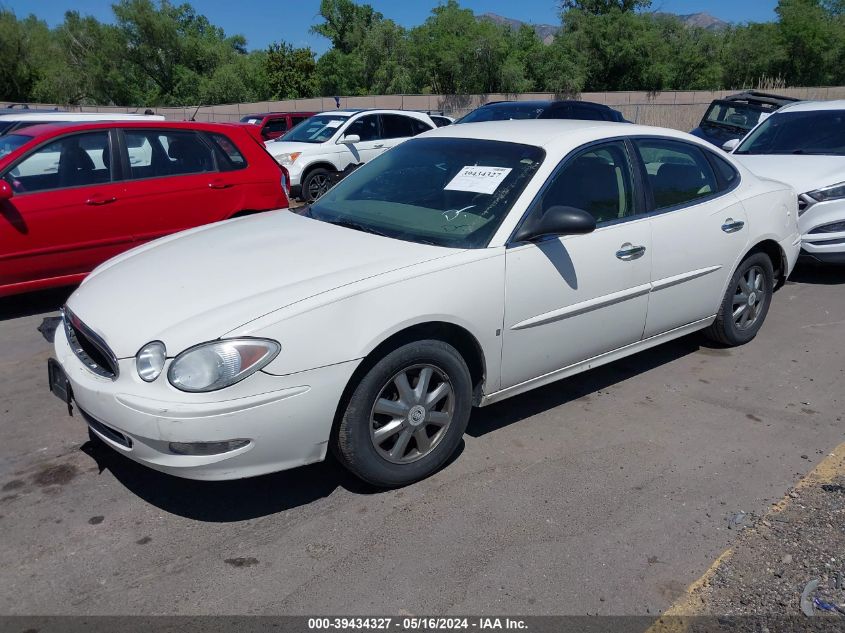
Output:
x=349 y=224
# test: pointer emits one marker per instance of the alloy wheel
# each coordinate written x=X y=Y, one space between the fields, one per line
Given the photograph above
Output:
x=412 y=413
x=318 y=185
x=749 y=298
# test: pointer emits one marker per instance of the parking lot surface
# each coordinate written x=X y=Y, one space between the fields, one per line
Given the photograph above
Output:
x=606 y=493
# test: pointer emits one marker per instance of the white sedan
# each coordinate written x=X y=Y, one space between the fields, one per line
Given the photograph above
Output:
x=460 y=268
x=803 y=144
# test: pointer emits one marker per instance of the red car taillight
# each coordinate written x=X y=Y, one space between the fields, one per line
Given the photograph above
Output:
x=285 y=182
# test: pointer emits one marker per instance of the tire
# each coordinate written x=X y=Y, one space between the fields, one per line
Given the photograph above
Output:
x=751 y=308
x=381 y=401
x=316 y=183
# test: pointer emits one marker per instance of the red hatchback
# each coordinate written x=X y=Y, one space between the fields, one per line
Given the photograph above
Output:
x=74 y=195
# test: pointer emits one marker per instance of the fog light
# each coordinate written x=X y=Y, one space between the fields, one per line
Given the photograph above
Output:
x=206 y=448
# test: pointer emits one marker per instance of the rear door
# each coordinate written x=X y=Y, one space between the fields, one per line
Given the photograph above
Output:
x=698 y=231
x=67 y=212
x=397 y=128
x=172 y=182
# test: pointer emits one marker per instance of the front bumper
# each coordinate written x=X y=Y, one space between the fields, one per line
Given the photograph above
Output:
x=825 y=247
x=287 y=419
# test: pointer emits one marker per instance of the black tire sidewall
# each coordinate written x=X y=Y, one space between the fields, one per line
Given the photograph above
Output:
x=355 y=447
x=306 y=196
x=731 y=332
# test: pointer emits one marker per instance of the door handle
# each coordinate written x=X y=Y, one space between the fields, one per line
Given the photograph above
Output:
x=732 y=226
x=219 y=184
x=628 y=252
x=97 y=201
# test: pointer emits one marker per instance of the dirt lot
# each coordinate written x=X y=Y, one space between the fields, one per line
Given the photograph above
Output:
x=607 y=493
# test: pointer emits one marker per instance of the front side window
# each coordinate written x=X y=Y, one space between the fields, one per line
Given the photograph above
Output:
x=366 y=128
x=445 y=191
x=597 y=180
x=158 y=153
x=678 y=172
x=275 y=126
x=820 y=132
x=316 y=129
x=74 y=161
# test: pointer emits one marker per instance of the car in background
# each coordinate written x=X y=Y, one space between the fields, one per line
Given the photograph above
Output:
x=732 y=117
x=803 y=145
x=272 y=125
x=463 y=267
x=440 y=119
x=9 y=122
x=318 y=152
x=73 y=195
x=509 y=110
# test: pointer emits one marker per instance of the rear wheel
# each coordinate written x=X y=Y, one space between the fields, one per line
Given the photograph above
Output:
x=407 y=415
x=316 y=183
x=746 y=302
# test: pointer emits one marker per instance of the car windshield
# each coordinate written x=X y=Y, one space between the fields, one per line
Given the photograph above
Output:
x=317 y=129
x=741 y=116
x=10 y=142
x=503 y=112
x=449 y=192
x=810 y=132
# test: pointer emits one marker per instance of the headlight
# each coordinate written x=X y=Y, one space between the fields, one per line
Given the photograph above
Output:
x=833 y=192
x=288 y=159
x=218 y=364
x=149 y=361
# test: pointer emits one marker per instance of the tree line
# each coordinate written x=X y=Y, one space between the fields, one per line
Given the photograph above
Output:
x=156 y=53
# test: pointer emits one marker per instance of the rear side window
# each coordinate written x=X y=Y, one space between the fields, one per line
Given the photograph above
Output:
x=419 y=126
x=74 y=161
x=397 y=126
x=728 y=176
x=228 y=156
x=158 y=153
x=678 y=172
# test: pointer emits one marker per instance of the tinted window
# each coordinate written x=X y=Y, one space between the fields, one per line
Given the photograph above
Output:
x=156 y=153
x=11 y=142
x=228 y=156
x=396 y=126
x=574 y=112
x=726 y=172
x=678 y=172
x=441 y=121
x=296 y=120
x=503 y=112
x=366 y=127
x=74 y=161
x=444 y=191
x=813 y=132
x=598 y=181
x=275 y=125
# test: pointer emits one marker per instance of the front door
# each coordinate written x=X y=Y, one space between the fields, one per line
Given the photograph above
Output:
x=372 y=144
x=67 y=214
x=571 y=298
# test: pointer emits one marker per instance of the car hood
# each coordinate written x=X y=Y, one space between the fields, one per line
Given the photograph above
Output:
x=803 y=172
x=288 y=147
x=196 y=286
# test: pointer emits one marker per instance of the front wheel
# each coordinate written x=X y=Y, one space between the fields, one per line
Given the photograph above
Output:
x=316 y=183
x=746 y=302
x=407 y=415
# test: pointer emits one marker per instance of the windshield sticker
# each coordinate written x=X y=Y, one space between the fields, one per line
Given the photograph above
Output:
x=478 y=179
x=333 y=124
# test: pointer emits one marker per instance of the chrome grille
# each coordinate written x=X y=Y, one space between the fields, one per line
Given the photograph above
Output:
x=88 y=347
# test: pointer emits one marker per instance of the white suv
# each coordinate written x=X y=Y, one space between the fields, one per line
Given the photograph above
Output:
x=803 y=145
x=320 y=148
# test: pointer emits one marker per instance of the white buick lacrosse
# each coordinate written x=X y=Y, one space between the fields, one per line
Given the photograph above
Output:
x=467 y=265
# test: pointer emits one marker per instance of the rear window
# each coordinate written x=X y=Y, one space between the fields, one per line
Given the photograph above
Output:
x=228 y=156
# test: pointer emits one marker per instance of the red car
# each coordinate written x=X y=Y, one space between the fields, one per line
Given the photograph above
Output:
x=74 y=195
x=272 y=125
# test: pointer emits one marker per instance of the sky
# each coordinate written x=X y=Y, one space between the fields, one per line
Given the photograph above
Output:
x=266 y=21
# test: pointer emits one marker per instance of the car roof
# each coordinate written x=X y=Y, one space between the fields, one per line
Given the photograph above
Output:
x=349 y=112
x=810 y=106
x=78 y=116
x=47 y=129
x=550 y=132
x=548 y=103
x=265 y=114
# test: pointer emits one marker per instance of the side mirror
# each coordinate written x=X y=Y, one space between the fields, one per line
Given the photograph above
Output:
x=350 y=139
x=557 y=220
x=731 y=145
x=6 y=190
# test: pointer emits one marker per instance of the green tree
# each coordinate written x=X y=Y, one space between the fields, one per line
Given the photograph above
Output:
x=805 y=28
x=290 y=71
x=603 y=7
x=24 y=51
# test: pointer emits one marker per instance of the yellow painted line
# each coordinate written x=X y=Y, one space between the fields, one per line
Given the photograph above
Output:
x=690 y=603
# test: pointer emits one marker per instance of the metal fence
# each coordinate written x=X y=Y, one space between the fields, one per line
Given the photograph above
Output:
x=675 y=109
